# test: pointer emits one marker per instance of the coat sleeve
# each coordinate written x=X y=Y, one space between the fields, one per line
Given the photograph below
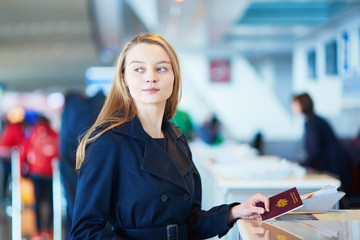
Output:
x=205 y=224
x=93 y=196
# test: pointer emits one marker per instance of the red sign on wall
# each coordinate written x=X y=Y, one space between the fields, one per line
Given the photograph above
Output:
x=220 y=70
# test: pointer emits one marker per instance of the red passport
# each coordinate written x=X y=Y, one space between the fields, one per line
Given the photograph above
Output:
x=282 y=203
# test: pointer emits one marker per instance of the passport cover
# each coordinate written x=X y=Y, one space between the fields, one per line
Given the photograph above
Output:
x=282 y=203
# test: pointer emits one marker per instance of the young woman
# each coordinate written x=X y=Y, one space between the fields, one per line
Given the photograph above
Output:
x=135 y=167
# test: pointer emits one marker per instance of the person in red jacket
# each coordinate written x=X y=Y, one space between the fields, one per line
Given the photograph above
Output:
x=40 y=151
x=11 y=136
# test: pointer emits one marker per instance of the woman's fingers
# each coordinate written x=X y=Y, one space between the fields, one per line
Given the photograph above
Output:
x=256 y=210
x=261 y=198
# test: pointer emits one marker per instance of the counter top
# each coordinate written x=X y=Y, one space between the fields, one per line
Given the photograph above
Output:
x=336 y=224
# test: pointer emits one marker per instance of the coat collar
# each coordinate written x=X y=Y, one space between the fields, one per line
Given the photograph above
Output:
x=171 y=165
x=134 y=129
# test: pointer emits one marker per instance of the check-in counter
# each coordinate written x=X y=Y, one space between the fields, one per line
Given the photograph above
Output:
x=237 y=179
x=336 y=224
x=230 y=173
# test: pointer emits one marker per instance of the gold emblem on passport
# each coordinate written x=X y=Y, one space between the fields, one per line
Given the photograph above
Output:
x=282 y=203
x=281 y=237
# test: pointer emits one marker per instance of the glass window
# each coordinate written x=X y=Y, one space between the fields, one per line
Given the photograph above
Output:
x=311 y=62
x=331 y=58
x=345 y=50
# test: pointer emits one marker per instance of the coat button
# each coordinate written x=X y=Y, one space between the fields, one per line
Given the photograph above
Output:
x=186 y=196
x=164 y=198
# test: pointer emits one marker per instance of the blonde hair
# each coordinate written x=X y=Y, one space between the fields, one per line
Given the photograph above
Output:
x=119 y=106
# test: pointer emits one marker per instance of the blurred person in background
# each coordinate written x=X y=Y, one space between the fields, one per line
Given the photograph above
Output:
x=324 y=152
x=183 y=120
x=258 y=142
x=79 y=114
x=135 y=167
x=352 y=200
x=40 y=150
x=11 y=136
x=210 y=131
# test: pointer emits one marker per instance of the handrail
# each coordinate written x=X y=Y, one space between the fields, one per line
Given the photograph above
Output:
x=57 y=197
x=15 y=194
x=16 y=197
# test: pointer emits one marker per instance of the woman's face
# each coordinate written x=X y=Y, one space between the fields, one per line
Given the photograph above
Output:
x=296 y=107
x=149 y=75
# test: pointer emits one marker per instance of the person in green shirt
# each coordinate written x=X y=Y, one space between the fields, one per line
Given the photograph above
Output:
x=183 y=120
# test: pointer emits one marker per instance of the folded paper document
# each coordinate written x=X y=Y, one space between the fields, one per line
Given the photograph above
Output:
x=321 y=200
x=282 y=203
x=329 y=229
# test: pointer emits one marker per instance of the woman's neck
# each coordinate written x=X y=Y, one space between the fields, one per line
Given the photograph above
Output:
x=151 y=121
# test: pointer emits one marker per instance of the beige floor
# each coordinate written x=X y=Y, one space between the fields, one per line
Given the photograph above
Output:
x=5 y=225
x=28 y=223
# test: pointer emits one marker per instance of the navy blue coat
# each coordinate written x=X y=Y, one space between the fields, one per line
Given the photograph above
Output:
x=324 y=151
x=79 y=114
x=128 y=179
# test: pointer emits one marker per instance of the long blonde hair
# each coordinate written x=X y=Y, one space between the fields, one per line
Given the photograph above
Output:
x=119 y=106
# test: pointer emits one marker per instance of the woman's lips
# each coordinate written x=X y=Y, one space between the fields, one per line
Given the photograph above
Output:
x=151 y=90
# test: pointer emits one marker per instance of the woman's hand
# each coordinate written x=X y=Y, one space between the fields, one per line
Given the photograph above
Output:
x=248 y=209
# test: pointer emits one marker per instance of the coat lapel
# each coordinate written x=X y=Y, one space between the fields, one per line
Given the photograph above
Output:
x=171 y=165
x=157 y=162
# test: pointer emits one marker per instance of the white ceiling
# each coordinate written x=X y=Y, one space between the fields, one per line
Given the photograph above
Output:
x=45 y=44
x=48 y=44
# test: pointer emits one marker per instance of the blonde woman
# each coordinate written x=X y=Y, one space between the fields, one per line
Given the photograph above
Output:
x=135 y=167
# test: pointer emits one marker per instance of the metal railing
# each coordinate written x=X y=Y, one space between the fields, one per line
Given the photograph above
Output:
x=16 y=205
x=15 y=194
x=57 y=226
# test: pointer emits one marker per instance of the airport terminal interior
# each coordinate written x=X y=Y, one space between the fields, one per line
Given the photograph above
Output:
x=248 y=70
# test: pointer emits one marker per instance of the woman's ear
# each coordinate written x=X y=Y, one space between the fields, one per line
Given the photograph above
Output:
x=124 y=81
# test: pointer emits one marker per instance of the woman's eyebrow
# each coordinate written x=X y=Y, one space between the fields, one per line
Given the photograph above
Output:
x=159 y=62
x=167 y=62
x=135 y=61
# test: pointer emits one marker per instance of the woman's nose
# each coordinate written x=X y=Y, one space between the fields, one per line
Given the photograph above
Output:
x=151 y=77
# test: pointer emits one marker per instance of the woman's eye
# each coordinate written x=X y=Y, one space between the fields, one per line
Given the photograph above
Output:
x=139 y=70
x=161 y=69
